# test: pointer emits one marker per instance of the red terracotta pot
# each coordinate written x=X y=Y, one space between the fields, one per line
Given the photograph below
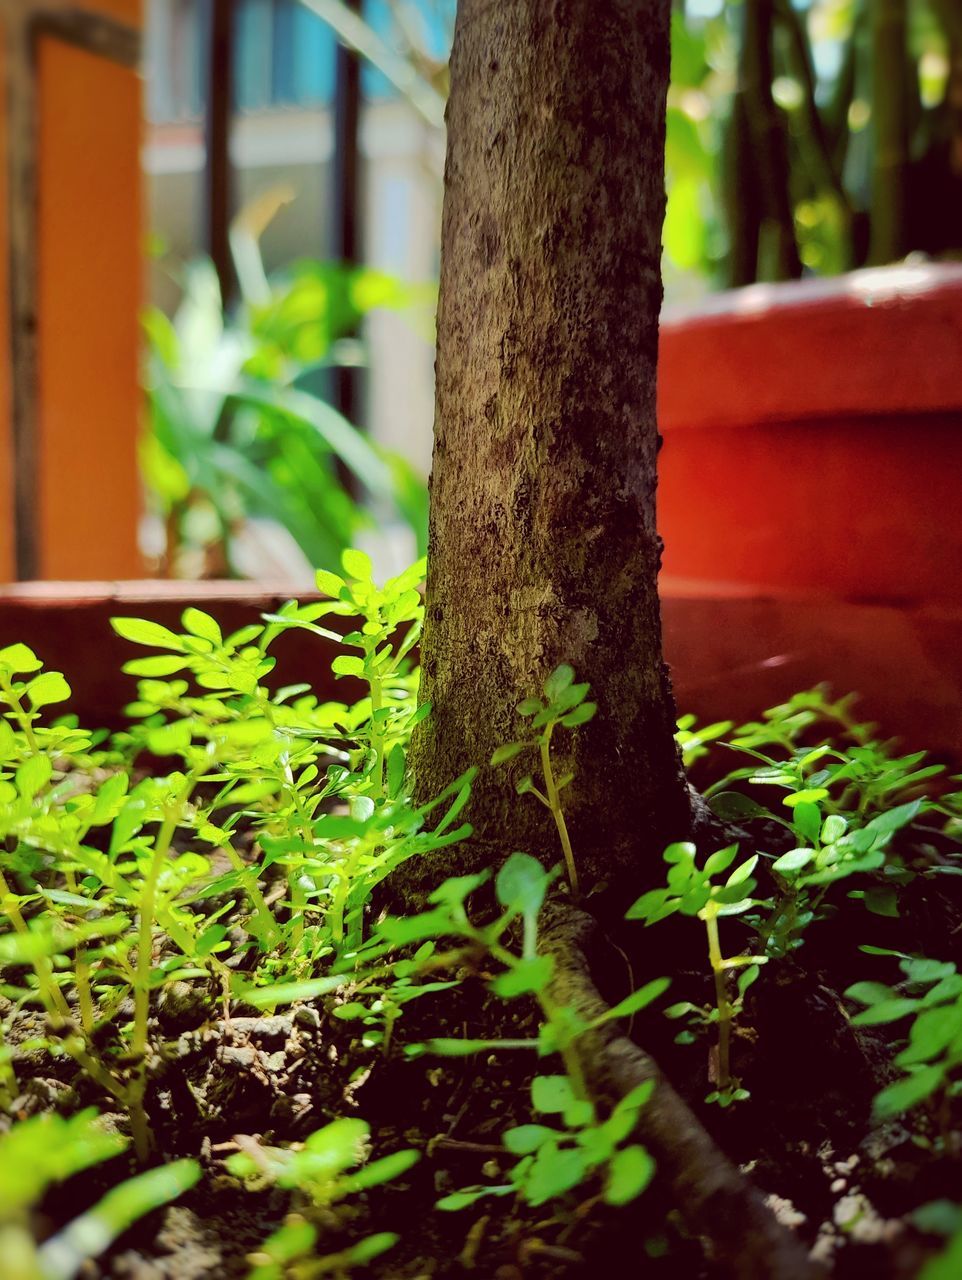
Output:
x=809 y=497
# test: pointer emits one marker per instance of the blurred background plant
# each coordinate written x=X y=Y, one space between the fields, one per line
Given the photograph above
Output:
x=812 y=137
x=248 y=470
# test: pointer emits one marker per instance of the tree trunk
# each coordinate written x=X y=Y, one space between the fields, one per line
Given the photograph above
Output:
x=543 y=545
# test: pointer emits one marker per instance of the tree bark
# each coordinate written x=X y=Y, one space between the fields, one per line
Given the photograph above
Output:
x=543 y=546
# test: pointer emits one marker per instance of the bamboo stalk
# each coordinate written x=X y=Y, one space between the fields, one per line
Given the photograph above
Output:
x=890 y=100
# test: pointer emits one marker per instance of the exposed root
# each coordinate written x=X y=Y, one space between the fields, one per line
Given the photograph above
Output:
x=717 y=1203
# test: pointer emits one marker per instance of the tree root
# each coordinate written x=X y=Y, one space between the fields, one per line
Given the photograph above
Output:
x=717 y=1203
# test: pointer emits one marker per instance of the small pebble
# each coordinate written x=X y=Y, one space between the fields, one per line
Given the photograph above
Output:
x=305 y=1015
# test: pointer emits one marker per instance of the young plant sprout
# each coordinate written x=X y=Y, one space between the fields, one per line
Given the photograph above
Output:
x=564 y=704
x=690 y=890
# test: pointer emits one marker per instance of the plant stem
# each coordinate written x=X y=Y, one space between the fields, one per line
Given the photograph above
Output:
x=23 y=719
x=264 y=925
x=50 y=993
x=377 y=734
x=145 y=946
x=56 y=1006
x=889 y=111
x=724 y=1005
x=554 y=804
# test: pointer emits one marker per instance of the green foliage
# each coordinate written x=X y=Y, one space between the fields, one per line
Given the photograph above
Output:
x=848 y=801
x=231 y=839
x=331 y=1165
x=237 y=429
x=848 y=798
x=931 y=995
x=48 y=1149
x=554 y=1162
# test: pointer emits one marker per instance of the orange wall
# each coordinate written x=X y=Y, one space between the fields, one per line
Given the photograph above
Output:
x=89 y=243
x=89 y=298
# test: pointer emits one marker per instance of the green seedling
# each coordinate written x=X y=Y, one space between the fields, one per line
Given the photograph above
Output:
x=690 y=891
x=931 y=995
x=564 y=705
x=554 y=1162
x=330 y=1166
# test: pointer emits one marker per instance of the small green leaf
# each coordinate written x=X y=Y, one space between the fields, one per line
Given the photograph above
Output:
x=894 y=819
x=682 y=851
x=721 y=860
x=810 y=795
x=396 y=768
x=159 y=664
x=525 y=1138
x=357 y=565
x=580 y=715
x=629 y=1173
x=289 y=992
x=919 y=969
x=350 y=1011
x=329 y=583
x=551 y=1094
x=882 y=900
x=529 y=707
x=447 y=1047
x=18 y=659
x=526 y=976
x=370 y=1248
x=521 y=884
x=908 y=1093
x=558 y=681
x=833 y=828
x=201 y=624
x=741 y=873
x=639 y=999
x=732 y=806
x=507 y=752
x=789 y=864
x=807 y=821
x=384 y=1170
x=465 y=1199
x=653 y=906
x=554 y=1172
x=885 y=1011
x=142 y=631
x=47 y=688
x=170 y=739
x=33 y=775
x=346 y=665
x=932 y=1032
x=869 y=992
